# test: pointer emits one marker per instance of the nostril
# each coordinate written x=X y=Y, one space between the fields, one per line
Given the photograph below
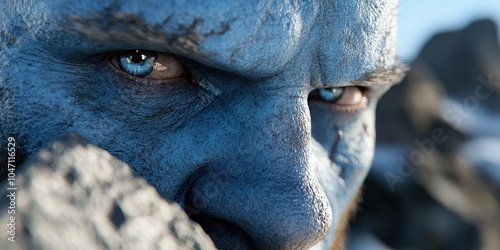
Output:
x=225 y=235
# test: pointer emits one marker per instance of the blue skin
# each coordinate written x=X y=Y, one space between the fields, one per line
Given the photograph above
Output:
x=242 y=147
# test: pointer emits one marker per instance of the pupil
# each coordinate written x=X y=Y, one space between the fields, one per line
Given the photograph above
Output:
x=137 y=57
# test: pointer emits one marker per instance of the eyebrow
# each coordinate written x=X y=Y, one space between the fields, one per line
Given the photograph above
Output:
x=132 y=29
x=378 y=77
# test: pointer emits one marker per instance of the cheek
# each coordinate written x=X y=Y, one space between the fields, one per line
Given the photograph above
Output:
x=343 y=151
x=341 y=132
x=355 y=148
x=40 y=107
x=342 y=154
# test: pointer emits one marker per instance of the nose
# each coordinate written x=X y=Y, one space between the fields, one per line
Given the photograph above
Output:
x=264 y=185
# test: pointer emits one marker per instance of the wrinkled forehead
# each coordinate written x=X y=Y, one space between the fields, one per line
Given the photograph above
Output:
x=245 y=36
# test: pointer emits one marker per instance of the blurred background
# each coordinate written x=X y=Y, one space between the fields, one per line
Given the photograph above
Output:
x=435 y=180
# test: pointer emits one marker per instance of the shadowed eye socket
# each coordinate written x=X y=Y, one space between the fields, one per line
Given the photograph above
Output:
x=148 y=64
x=343 y=97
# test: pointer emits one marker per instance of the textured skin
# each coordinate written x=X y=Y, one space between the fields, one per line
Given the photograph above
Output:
x=244 y=149
x=73 y=195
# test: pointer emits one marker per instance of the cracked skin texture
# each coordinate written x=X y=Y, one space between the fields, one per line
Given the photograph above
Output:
x=263 y=165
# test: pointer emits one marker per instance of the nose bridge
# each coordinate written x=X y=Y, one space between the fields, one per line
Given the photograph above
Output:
x=286 y=123
x=270 y=126
x=269 y=116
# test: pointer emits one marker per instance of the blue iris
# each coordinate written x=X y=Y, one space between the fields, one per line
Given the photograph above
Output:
x=331 y=94
x=138 y=63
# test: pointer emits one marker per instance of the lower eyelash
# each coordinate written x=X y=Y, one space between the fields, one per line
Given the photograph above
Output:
x=351 y=110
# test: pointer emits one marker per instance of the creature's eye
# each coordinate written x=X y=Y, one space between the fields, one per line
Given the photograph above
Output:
x=149 y=65
x=341 y=96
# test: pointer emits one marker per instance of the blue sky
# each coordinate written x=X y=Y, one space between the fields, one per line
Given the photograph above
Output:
x=420 y=19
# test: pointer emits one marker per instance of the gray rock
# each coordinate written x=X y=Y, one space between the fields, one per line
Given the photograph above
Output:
x=74 y=195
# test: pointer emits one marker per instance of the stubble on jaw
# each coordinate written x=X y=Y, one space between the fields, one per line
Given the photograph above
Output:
x=343 y=226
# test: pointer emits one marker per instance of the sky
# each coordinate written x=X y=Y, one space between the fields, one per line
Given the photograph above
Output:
x=419 y=20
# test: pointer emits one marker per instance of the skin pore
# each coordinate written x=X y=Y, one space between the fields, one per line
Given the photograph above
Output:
x=257 y=117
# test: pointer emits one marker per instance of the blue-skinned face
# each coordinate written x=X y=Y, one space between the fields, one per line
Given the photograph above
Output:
x=257 y=117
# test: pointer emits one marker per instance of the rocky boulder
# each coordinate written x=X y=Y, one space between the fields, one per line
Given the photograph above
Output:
x=74 y=195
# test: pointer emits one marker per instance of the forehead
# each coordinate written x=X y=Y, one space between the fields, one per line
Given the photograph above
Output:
x=248 y=37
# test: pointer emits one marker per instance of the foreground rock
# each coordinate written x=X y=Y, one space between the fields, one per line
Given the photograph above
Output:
x=74 y=195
